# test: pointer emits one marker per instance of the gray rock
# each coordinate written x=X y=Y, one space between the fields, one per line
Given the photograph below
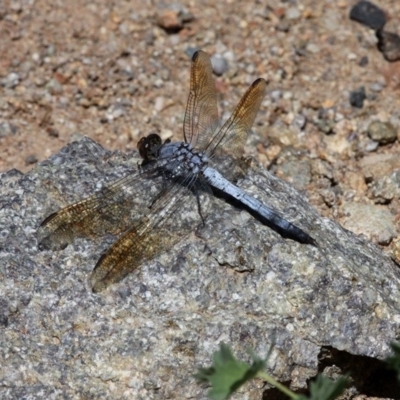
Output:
x=220 y=64
x=31 y=159
x=313 y=48
x=293 y=13
x=374 y=222
x=300 y=121
x=325 y=121
x=275 y=95
x=7 y=129
x=143 y=337
x=115 y=111
x=11 y=80
x=283 y=26
x=368 y=14
x=54 y=87
x=357 y=97
x=297 y=172
x=376 y=86
x=388 y=44
x=376 y=166
x=190 y=51
x=172 y=17
x=370 y=146
x=326 y=126
x=386 y=188
x=382 y=132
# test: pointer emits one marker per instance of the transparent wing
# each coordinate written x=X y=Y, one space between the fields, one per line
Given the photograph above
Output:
x=111 y=210
x=227 y=146
x=201 y=116
x=172 y=216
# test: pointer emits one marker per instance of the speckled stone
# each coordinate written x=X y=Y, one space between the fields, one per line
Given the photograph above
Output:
x=232 y=280
x=389 y=44
x=220 y=64
x=382 y=132
x=373 y=221
x=368 y=14
x=386 y=188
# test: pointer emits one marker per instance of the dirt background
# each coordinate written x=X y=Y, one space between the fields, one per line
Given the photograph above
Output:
x=116 y=71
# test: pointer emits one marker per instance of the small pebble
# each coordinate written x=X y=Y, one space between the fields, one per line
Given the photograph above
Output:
x=54 y=87
x=371 y=146
x=276 y=95
x=51 y=50
x=382 y=132
x=159 y=103
x=11 y=80
x=386 y=189
x=169 y=20
x=389 y=44
x=329 y=196
x=300 y=121
x=220 y=64
x=190 y=51
x=373 y=221
x=52 y=132
x=275 y=51
x=16 y=6
x=339 y=117
x=352 y=56
x=368 y=14
x=36 y=57
x=31 y=159
x=283 y=26
x=357 y=97
x=363 y=62
x=376 y=86
x=288 y=95
x=172 y=18
x=298 y=172
x=7 y=129
x=312 y=48
x=293 y=13
x=76 y=136
x=325 y=126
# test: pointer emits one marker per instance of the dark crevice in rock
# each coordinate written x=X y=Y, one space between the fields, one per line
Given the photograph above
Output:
x=275 y=394
x=370 y=376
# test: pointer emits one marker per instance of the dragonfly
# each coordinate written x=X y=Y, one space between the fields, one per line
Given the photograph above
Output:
x=180 y=178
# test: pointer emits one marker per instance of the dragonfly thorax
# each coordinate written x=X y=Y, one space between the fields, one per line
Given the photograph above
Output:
x=181 y=158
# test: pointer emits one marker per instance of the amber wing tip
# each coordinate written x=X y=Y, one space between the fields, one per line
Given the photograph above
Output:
x=195 y=55
x=259 y=81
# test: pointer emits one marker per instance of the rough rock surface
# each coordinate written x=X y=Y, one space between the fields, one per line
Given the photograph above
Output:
x=233 y=280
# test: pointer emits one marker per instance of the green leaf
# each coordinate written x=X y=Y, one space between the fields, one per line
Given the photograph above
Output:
x=227 y=373
x=324 y=388
x=394 y=360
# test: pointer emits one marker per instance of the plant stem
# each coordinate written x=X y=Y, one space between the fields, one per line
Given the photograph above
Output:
x=278 y=385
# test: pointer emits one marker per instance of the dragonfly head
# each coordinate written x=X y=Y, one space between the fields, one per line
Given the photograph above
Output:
x=149 y=147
